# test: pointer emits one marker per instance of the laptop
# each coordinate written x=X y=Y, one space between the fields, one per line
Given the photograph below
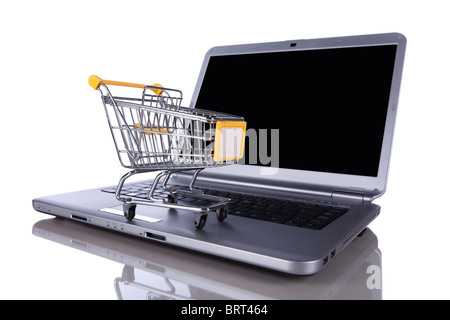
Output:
x=320 y=119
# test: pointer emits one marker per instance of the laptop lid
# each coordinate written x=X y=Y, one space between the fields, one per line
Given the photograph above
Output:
x=320 y=113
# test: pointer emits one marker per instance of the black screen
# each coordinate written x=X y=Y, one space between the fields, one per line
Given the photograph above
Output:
x=329 y=105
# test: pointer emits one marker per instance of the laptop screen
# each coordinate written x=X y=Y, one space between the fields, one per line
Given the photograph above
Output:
x=315 y=110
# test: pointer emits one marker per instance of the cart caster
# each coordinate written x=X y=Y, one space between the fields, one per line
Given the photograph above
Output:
x=129 y=211
x=222 y=213
x=200 y=220
x=128 y=274
x=172 y=199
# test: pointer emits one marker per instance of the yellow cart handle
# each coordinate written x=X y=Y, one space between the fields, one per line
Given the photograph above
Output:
x=95 y=81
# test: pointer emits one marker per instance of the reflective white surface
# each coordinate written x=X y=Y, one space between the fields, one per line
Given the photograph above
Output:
x=154 y=271
x=54 y=136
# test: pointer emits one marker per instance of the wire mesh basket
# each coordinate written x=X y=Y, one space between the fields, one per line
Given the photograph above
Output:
x=153 y=132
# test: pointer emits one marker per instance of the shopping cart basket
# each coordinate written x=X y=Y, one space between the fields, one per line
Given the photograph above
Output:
x=153 y=132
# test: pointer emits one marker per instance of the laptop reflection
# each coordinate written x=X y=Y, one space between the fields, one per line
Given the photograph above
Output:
x=156 y=272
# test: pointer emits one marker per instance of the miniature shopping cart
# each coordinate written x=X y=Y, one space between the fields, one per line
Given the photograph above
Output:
x=153 y=132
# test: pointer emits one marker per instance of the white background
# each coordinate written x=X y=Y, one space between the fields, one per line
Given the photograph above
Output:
x=54 y=136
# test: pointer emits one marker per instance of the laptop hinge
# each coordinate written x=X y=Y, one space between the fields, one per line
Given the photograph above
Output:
x=339 y=195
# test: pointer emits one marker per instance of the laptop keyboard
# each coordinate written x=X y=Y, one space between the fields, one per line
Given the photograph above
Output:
x=303 y=214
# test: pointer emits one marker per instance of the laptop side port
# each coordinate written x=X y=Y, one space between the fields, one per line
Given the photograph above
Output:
x=78 y=218
x=325 y=260
x=332 y=254
x=155 y=236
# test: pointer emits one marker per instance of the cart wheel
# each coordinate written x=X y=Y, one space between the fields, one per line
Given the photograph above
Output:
x=171 y=198
x=200 y=222
x=130 y=212
x=128 y=274
x=222 y=213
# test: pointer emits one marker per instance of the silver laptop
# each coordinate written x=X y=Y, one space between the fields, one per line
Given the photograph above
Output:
x=320 y=118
